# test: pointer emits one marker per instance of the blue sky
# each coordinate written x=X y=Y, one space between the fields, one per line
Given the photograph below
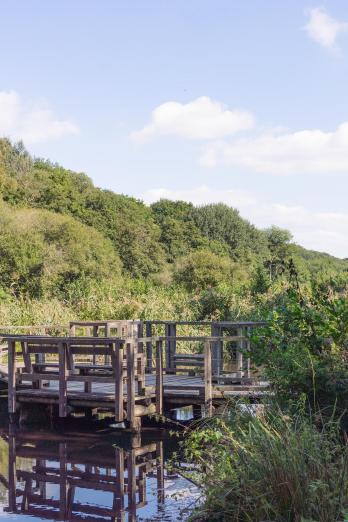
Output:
x=241 y=102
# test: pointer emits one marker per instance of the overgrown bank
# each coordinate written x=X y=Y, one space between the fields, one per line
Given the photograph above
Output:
x=290 y=462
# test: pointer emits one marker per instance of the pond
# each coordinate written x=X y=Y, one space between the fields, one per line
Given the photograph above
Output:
x=92 y=473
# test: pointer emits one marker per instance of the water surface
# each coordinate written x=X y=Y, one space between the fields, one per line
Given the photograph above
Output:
x=96 y=474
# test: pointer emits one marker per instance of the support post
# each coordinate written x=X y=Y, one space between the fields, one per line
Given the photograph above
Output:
x=208 y=388
x=130 y=384
x=63 y=374
x=159 y=377
x=148 y=348
x=217 y=349
x=170 y=331
x=117 y=360
x=248 y=346
x=239 y=354
x=11 y=378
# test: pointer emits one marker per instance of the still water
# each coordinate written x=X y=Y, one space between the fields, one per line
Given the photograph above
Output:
x=90 y=475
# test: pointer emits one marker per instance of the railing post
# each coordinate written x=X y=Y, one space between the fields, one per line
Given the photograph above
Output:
x=248 y=350
x=159 y=377
x=11 y=377
x=149 y=354
x=63 y=374
x=208 y=388
x=170 y=331
x=130 y=383
x=117 y=360
x=217 y=349
x=239 y=353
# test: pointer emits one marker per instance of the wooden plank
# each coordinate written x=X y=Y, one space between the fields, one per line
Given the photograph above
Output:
x=149 y=354
x=12 y=377
x=208 y=390
x=216 y=351
x=63 y=374
x=130 y=383
x=239 y=353
x=159 y=377
x=117 y=360
x=26 y=356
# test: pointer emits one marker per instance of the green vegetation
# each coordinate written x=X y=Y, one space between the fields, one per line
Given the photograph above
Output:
x=290 y=462
x=70 y=250
x=270 y=467
x=62 y=238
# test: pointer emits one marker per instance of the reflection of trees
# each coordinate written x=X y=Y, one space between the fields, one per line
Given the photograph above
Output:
x=46 y=479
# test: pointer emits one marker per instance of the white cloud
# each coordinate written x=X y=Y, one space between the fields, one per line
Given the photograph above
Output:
x=32 y=123
x=200 y=119
x=322 y=231
x=307 y=151
x=324 y=29
x=201 y=196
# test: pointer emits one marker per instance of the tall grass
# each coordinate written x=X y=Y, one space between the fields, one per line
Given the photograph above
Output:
x=270 y=468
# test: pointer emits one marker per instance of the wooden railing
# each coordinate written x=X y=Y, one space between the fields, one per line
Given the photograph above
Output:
x=61 y=361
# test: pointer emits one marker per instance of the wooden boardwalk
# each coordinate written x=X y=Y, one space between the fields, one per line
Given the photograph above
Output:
x=130 y=376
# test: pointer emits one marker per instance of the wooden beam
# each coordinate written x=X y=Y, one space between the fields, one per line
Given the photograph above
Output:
x=159 y=377
x=117 y=360
x=63 y=375
x=208 y=395
x=130 y=383
x=12 y=377
x=149 y=354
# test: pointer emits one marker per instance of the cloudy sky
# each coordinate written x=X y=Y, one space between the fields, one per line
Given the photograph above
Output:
x=243 y=102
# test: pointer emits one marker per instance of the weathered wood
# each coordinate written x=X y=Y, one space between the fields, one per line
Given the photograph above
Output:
x=159 y=377
x=239 y=353
x=117 y=360
x=11 y=377
x=63 y=375
x=149 y=355
x=170 y=344
x=130 y=383
x=208 y=390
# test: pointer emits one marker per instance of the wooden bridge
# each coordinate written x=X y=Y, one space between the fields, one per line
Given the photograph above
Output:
x=112 y=367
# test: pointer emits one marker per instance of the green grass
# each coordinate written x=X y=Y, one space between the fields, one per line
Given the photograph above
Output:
x=270 y=468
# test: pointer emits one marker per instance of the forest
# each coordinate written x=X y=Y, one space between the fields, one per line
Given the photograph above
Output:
x=68 y=249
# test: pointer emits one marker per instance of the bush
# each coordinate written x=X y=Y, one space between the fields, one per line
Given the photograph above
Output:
x=303 y=349
x=203 y=269
x=270 y=468
x=51 y=252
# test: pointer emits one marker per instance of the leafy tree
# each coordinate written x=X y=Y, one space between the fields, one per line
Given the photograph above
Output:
x=278 y=241
x=202 y=269
x=50 y=252
x=219 y=222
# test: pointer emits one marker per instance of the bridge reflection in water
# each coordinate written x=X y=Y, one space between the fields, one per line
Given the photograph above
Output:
x=73 y=480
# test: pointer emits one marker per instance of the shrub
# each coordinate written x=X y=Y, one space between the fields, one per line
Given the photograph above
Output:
x=270 y=468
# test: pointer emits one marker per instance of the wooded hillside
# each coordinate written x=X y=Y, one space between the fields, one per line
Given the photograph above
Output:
x=60 y=234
